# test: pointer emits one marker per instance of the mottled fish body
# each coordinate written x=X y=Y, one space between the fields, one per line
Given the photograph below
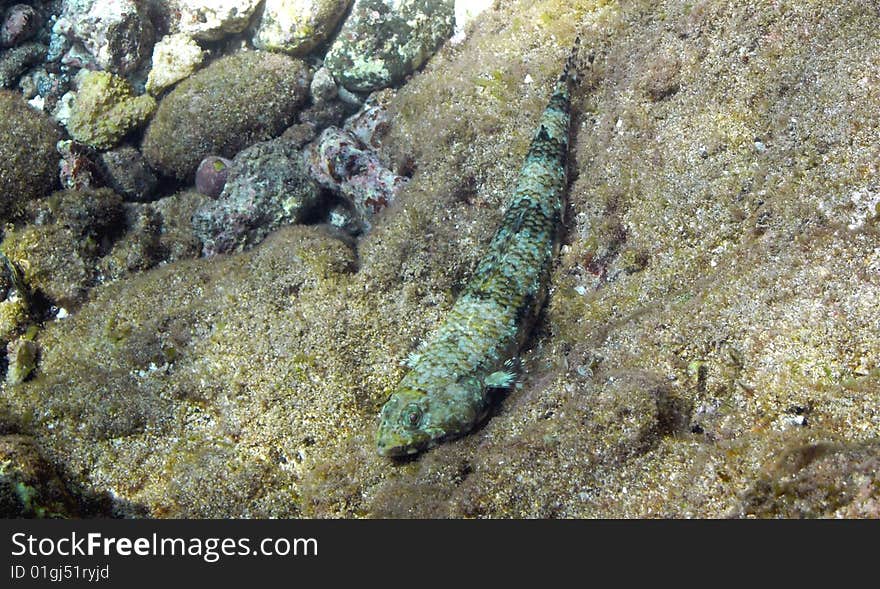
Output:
x=444 y=395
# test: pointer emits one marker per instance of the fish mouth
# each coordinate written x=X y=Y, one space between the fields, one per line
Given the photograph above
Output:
x=394 y=445
x=396 y=451
x=396 y=448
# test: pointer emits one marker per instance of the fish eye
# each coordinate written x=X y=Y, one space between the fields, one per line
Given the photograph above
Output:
x=411 y=416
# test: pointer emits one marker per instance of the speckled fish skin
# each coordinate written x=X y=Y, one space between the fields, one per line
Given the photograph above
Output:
x=444 y=395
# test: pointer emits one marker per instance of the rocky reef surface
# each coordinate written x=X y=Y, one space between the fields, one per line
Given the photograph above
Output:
x=710 y=346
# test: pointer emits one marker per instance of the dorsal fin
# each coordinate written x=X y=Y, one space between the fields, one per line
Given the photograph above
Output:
x=575 y=63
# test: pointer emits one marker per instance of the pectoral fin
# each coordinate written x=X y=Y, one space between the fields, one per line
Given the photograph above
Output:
x=501 y=379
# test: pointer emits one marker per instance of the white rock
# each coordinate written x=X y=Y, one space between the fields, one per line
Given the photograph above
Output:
x=117 y=33
x=175 y=57
x=37 y=102
x=209 y=20
x=297 y=26
x=323 y=87
x=465 y=12
x=64 y=108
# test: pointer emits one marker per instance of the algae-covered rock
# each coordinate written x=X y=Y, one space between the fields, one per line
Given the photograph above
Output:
x=59 y=258
x=107 y=109
x=125 y=171
x=155 y=233
x=139 y=249
x=384 y=40
x=824 y=479
x=234 y=102
x=21 y=356
x=297 y=26
x=28 y=162
x=177 y=239
x=29 y=486
x=14 y=314
x=169 y=360
x=14 y=62
x=92 y=237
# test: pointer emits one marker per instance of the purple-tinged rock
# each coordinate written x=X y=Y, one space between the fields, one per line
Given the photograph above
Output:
x=268 y=186
x=340 y=162
x=21 y=23
x=78 y=57
x=211 y=175
x=369 y=125
x=77 y=171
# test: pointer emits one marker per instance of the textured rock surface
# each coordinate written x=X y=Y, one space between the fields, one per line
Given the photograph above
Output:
x=28 y=162
x=211 y=175
x=384 y=40
x=20 y=23
x=297 y=26
x=234 y=102
x=59 y=257
x=267 y=186
x=466 y=11
x=342 y=163
x=117 y=33
x=16 y=61
x=709 y=347
x=76 y=170
x=21 y=357
x=175 y=57
x=106 y=110
x=126 y=171
x=30 y=486
x=824 y=479
x=208 y=20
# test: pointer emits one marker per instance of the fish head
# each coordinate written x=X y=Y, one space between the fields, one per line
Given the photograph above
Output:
x=413 y=420
x=404 y=426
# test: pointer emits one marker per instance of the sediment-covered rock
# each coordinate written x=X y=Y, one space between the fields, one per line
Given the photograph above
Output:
x=106 y=110
x=28 y=161
x=233 y=103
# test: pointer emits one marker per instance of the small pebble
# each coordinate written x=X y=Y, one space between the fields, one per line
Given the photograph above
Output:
x=21 y=24
x=211 y=175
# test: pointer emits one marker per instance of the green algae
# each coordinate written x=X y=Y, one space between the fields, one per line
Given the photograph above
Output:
x=58 y=259
x=29 y=486
x=22 y=357
x=107 y=109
